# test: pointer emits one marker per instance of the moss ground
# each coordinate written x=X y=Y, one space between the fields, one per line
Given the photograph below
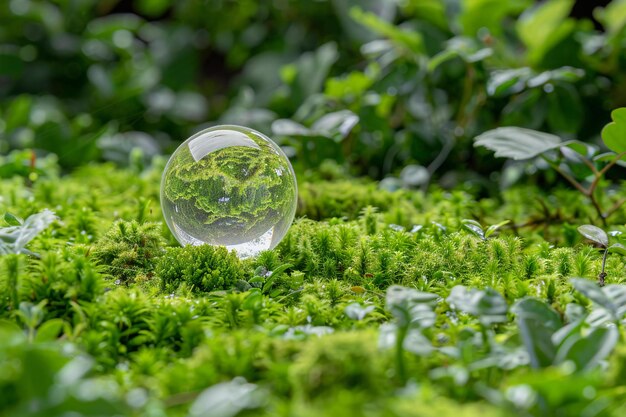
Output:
x=311 y=327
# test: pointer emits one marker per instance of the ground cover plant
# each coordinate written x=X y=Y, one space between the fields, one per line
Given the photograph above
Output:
x=459 y=242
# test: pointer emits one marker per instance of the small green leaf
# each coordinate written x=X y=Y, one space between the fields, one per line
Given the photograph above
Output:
x=518 y=143
x=614 y=134
x=474 y=227
x=492 y=229
x=12 y=220
x=618 y=248
x=595 y=234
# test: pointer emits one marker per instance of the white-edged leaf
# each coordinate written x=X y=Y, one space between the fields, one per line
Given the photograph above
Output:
x=518 y=143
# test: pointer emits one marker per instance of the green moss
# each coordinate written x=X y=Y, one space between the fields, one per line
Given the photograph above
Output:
x=202 y=268
x=130 y=249
x=348 y=360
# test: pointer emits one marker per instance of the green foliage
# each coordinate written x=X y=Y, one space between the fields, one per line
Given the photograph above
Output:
x=19 y=233
x=575 y=161
x=405 y=297
x=129 y=250
x=201 y=268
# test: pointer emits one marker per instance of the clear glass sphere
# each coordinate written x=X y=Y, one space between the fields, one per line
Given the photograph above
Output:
x=230 y=186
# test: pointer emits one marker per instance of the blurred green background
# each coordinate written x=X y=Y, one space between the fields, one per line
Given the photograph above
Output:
x=392 y=89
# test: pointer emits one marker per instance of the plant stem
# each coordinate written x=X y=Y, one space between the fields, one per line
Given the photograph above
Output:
x=400 y=336
x=615 y=207
x=568 y=177
x=604 y=170
x=590 y=192
x=602 y=274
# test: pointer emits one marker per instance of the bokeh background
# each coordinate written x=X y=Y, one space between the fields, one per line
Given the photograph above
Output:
x=391 y=89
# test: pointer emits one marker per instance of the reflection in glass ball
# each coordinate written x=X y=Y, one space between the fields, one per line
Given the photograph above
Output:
x=230 y=186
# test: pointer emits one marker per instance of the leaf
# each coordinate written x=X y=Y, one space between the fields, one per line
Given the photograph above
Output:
x=414 y=341
x=608 y=157
x=12 y=220
x=618 y=248
x=587 y=352
x=565 y=109
x=537 y=322
x=410 y=306
x=49 y=330
x=492 y=229
x=488 y=305
x=595 y=234
x=544 y=26
x=614 y=133
x=518 y=143
x=13 y=239
x=357 y=312
x=591 y=290
x=286 y=127
x=410 y=40
x=335 y=125
x=611 y=298
x=479 y=14
x=228 y=399
x=474 y=227
x=507 y=82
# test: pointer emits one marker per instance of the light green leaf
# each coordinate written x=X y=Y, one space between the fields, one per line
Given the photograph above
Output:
x=614 y=133
x=409 y=40
x=618 y=248
x=542 y=27
x=491 y=229
x=49 y=331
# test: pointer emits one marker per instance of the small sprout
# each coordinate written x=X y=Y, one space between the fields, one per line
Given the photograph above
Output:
x=475 y=227
x=600 y=237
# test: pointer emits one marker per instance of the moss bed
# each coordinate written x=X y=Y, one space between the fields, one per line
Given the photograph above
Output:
x=377 y=303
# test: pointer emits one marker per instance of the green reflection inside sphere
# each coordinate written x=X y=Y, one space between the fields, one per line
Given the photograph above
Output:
x=231 y=186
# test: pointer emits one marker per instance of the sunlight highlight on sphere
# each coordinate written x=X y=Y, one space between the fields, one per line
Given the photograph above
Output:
x=230 y=186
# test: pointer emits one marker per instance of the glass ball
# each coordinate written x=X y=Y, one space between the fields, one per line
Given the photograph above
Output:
x=230 y=186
